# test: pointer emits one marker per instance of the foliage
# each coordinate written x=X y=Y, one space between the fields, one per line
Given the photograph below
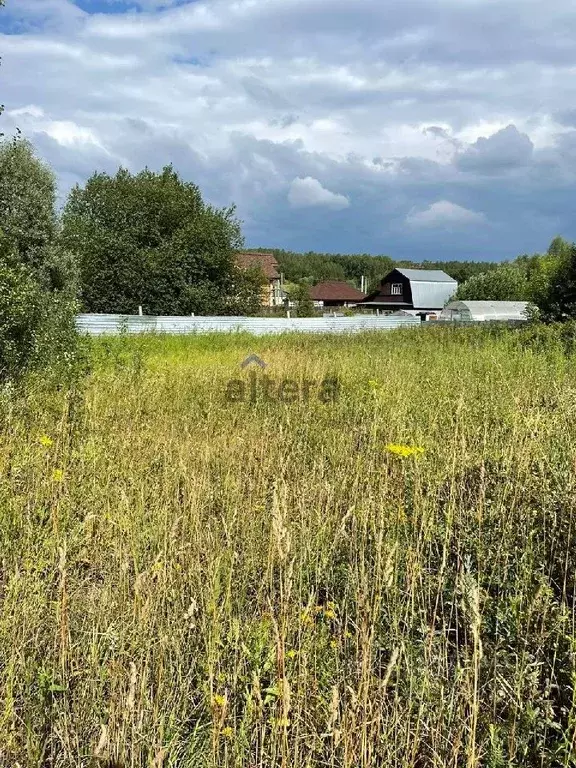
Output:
x=506 y=283
x=314 y=267
x=245 y=292
x=27 y=203
x=36 y=276
x=535 y=278
x=150 y=240
x=22 y=313
x=304 y=304
x=558 y=297
x=192 y=582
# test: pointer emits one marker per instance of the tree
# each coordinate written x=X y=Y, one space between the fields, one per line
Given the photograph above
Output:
x=27 y=202
x=558 y=299
x=304 y=304
x=246 y=291
x=36 y=290
x=149 y=239
x=506 y=283
x=316 y=267
x=542 y=269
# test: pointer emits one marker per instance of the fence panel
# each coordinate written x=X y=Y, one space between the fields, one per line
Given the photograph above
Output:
x=97 y=325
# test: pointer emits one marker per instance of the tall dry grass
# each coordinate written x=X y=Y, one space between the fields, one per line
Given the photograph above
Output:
x=187 y=581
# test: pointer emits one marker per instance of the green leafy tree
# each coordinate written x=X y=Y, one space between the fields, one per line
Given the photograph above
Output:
x=558 y=299
x=506 y=283
x=149 y=239
x=27 y=203
x=36 y=277
x=543 y=268
x=246 y=291
x=304 y=304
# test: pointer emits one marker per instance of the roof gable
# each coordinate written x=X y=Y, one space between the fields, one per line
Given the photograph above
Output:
x=265 y=261
x=429 y=289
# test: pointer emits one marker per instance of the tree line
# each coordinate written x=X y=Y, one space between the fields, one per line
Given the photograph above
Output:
x=311 y=268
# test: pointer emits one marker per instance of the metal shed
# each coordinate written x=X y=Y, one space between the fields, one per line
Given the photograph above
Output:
x=482 y=311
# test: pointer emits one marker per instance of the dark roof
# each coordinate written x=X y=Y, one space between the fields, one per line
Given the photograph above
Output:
x=335 y=290
x=265 y=261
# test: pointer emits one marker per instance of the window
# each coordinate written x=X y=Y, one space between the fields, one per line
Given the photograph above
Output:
x=396 y=289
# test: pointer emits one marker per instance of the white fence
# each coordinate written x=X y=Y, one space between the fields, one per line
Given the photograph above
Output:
x=97 y=325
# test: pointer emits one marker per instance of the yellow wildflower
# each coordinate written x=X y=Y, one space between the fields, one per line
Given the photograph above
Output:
x=58 y=475
x=333 y=643
x=404 y=450
x=227 y=732
x=218 y=700
x=291 y=654
x=306 y=619
x=329 y=613
x=46 y=441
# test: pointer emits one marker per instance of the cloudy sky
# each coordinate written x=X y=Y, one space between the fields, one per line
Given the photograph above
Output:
x=420 y=128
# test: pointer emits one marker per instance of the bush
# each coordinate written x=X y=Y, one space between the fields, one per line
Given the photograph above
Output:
x=304 y=304
x=22 y=312
x=37 y=303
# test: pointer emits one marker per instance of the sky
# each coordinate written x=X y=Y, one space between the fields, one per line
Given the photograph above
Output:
x=421 y=129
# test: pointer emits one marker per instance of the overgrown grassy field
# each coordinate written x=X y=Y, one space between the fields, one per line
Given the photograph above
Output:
x=192 y=581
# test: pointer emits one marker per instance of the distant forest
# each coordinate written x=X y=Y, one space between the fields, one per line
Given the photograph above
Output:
x=314 y=267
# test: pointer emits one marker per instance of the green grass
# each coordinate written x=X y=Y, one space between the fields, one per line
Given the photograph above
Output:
x=187 y=581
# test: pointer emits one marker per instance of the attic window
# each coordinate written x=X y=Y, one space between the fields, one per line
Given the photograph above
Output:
x=396 y=289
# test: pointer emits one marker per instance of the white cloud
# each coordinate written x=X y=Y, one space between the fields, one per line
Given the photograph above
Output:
x=390 y=106
x=443 y=213
x=308 y=192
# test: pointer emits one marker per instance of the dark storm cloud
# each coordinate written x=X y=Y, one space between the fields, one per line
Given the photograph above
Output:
x=426 y=129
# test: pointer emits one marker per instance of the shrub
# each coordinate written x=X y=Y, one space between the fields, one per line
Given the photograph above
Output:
x=36 y=276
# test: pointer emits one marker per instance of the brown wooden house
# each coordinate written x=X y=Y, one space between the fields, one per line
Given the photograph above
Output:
x=427 y=290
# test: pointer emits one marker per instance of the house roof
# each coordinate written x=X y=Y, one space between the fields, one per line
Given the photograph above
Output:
x=265 y=261
x=335 y=290
x=426 y=275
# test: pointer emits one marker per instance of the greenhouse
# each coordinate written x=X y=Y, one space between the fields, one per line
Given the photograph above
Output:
x=481 y=311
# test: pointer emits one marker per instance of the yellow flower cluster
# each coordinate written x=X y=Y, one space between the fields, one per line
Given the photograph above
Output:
x=46 y=441
x=327 y=612
x=404 y=450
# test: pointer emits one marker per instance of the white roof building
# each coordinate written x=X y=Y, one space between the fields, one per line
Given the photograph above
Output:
x=481 y=311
